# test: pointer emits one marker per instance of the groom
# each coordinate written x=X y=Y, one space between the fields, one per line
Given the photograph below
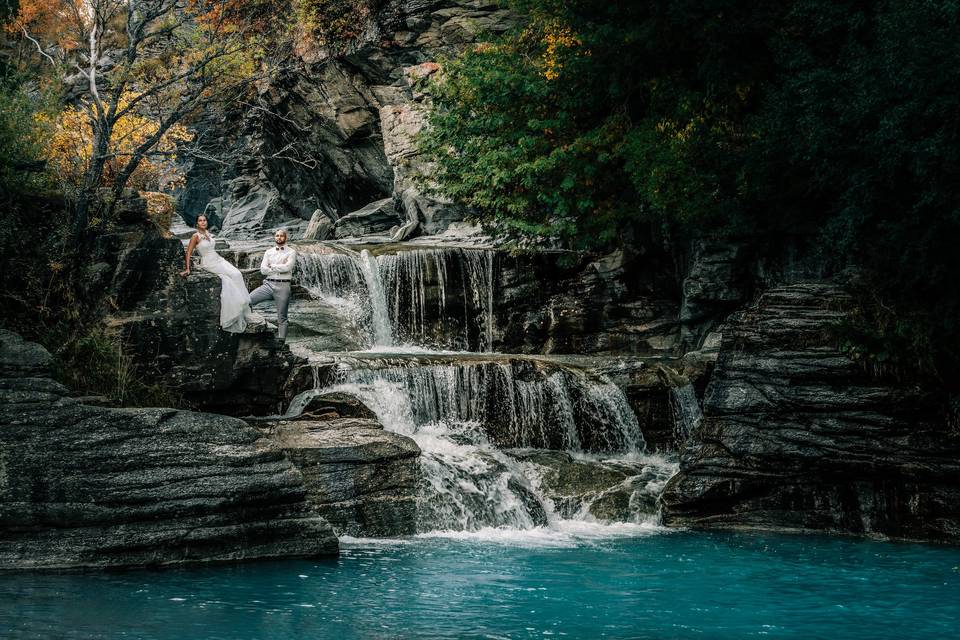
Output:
x=277 y=265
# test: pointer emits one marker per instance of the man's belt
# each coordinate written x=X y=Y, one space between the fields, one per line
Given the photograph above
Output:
x=276 y=280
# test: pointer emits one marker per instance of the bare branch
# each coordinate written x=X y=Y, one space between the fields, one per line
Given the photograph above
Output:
x=39 y=48
x=192 y=71
x=310 y=162
x=277 y=115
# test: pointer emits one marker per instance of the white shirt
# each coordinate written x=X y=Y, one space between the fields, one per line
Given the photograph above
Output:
x=278 y=263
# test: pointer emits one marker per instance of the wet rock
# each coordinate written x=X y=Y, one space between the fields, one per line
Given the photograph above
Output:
x=89 y=486
x=531 y=504
x=363 y=479
x=610 y=491
x=326 y=405
x=795 y=435
x=377 y=217
x=322 y=327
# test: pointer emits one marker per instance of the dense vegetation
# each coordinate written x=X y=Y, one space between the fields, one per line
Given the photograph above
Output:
x=839 y=118
x=588 y=125
x=98 y=99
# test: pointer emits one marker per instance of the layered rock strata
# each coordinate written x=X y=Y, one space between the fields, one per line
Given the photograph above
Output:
x=567 y=303
x=361 y=478
x=797 y=436
x=178 y=342
x=84 y=486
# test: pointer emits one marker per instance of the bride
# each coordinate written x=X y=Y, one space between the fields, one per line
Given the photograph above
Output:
x=235 y=310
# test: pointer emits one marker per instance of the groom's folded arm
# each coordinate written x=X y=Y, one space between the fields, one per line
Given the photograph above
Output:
x=287 y=265
x=265 y=267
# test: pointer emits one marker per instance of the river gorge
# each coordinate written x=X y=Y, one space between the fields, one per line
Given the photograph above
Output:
x=463 y=435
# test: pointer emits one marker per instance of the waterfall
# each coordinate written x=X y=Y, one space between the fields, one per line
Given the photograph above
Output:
x=687 y=414
x=512 y=442
x=433 y=297
x=379 y=318
x=465 y=414
x=516 y=407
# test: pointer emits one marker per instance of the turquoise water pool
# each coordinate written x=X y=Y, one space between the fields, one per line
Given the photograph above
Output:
x=647 y=585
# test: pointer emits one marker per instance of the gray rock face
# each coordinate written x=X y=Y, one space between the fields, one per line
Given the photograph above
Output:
x=85 y=486
x=716 y=283
x=425 y=212
x=796 y=436
x=375 y=218
x=179 y=342
x=172 y=327
x=320 y=226
x=565 y=303
x=325 y=405
x=319 y=139
x=363 y=479
x=250 y=207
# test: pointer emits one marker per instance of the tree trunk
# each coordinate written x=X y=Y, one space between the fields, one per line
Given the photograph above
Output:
x=87 y=200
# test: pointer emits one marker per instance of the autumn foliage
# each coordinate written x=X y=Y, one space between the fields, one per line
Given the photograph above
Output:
x=71 y=144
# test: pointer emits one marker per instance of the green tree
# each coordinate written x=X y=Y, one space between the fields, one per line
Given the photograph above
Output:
x=837 y=118
x=595 y=116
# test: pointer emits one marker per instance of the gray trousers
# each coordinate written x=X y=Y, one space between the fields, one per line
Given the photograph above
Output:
x=280 y=293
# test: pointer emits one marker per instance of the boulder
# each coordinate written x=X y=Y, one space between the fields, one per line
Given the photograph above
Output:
x=86 y=486
x=250 y=208
x=795 y=435
x=320 y=226
x=375 y=218
x=324 y=405
x=363 y=479
x=171 y=327
x=610 y=490
x=176 y=337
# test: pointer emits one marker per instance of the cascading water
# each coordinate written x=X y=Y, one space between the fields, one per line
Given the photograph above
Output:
x=435 y=297
x=504 y=439
x=379 y=320
x=468 y=419
x=687 y=414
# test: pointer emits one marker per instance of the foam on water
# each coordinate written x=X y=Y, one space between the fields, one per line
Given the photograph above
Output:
x=465 y=413
x=563 y=534
x=468 y=483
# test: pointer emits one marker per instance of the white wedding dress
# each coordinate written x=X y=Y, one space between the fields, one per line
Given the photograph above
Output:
x=235 y=311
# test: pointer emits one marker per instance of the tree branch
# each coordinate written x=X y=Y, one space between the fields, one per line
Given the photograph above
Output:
x=39 y=48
